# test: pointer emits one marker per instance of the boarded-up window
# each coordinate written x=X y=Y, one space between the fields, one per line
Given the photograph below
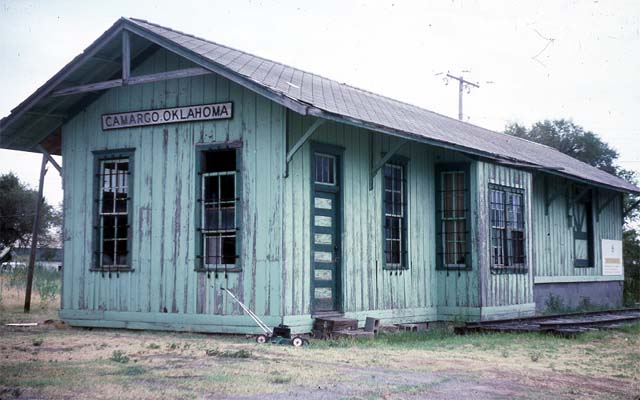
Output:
x=395 y=206
x=508 y=237
x=219 y=200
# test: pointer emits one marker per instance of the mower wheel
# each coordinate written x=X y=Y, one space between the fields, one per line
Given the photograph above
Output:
x=297 y=341
x=261 y=339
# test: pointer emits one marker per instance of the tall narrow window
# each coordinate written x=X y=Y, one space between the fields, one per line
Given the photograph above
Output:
x=453 y=223
x=395 y=203
x=113 y=217
x=583 y=232
x=454 y=218
x=507 y=229
x=219 y=210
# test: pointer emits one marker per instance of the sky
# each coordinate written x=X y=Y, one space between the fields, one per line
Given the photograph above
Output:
x=533 y=60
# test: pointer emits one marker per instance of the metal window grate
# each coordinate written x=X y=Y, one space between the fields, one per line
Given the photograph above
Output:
x=507 y=230
x=394 y=213
x=325 y=169
x=113 y=214
x=218 y=224
x=453 y=216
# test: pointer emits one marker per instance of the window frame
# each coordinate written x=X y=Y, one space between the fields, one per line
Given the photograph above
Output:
x=520 y=268
x=402 y=162
x=99 y=157
x=588 y=201
x=440 y=169
x=200 y=149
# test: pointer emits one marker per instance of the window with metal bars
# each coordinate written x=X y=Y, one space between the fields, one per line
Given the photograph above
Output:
x=112 y=239
x=508 y=251
x=219 y=200
x=453 y=223
x=395 y=213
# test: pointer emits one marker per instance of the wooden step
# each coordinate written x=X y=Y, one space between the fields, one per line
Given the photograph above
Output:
x=324 y=327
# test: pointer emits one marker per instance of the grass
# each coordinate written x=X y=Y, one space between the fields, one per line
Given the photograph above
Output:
x=72 y=363
x=45 y=362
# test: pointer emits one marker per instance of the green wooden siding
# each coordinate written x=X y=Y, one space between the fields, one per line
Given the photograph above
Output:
x=165 y=291
x=164 y=201
x=553 y=248
x=366 y=285
x=503 y=289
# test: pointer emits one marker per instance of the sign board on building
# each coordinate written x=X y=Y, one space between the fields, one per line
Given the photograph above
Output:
x=201 y=112
x=612 y=257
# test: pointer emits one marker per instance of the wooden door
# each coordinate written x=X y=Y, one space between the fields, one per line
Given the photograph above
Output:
x=326 y=231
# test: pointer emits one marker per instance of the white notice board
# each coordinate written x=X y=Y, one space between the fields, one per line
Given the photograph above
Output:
x=612 y=257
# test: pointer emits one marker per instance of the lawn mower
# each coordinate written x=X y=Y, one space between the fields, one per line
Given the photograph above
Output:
x=280 y=334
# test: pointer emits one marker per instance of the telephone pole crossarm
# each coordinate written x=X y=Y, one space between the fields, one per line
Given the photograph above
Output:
x=461 y=85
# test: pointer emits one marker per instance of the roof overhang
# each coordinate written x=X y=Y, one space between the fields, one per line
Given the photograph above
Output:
x=37 y=121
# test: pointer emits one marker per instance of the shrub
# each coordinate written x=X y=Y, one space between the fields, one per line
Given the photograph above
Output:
x=119 y=357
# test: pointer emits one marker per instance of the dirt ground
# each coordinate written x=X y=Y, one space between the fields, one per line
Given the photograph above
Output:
x=51 y=361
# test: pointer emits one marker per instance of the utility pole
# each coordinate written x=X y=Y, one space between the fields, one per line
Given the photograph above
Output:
x=462 y=84
x=34 y=235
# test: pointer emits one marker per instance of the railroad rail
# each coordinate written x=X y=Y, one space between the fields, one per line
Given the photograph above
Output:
x=562 y=324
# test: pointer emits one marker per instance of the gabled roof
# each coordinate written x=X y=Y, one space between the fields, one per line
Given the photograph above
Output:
x=310 y=94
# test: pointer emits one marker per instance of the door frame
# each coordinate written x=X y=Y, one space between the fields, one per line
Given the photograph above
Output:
x=338 y=152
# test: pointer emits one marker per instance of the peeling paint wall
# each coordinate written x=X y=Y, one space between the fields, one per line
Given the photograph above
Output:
x=504 y=289
x=554 y=248
x=164 y=200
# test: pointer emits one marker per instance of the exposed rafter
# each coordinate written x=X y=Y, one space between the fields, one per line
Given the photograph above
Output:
x=135 y=80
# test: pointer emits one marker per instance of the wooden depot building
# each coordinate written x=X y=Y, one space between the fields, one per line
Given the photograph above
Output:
x=190 y=166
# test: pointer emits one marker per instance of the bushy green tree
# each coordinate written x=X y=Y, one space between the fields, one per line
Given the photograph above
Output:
x=588 y=147
x=17 y=209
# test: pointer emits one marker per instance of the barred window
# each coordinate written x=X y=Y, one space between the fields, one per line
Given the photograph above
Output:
x=113 y=211
x=218 y=210
x=507 y=229
x=453 y=192
x=395 y=216
x=325 y=169
x=453 y=223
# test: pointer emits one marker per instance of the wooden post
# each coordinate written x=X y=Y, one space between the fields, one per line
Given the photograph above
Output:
x=34 y=235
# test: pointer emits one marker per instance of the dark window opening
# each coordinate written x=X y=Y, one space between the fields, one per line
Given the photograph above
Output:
x=219 y=205
x=583 y=232
x=325 y=169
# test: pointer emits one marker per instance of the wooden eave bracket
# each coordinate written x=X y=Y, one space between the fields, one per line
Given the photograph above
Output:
x=548 y=196
x=298 y=145
x=376 y=167
x=601 y=207
x=49 y=158
x=571 y=200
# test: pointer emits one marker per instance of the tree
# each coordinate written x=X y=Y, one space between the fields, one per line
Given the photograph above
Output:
x=586 y=146
x=570 y=139
x=17 y=202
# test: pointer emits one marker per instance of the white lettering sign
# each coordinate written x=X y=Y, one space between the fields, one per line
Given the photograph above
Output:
x=167 y=116
x=612 y=257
